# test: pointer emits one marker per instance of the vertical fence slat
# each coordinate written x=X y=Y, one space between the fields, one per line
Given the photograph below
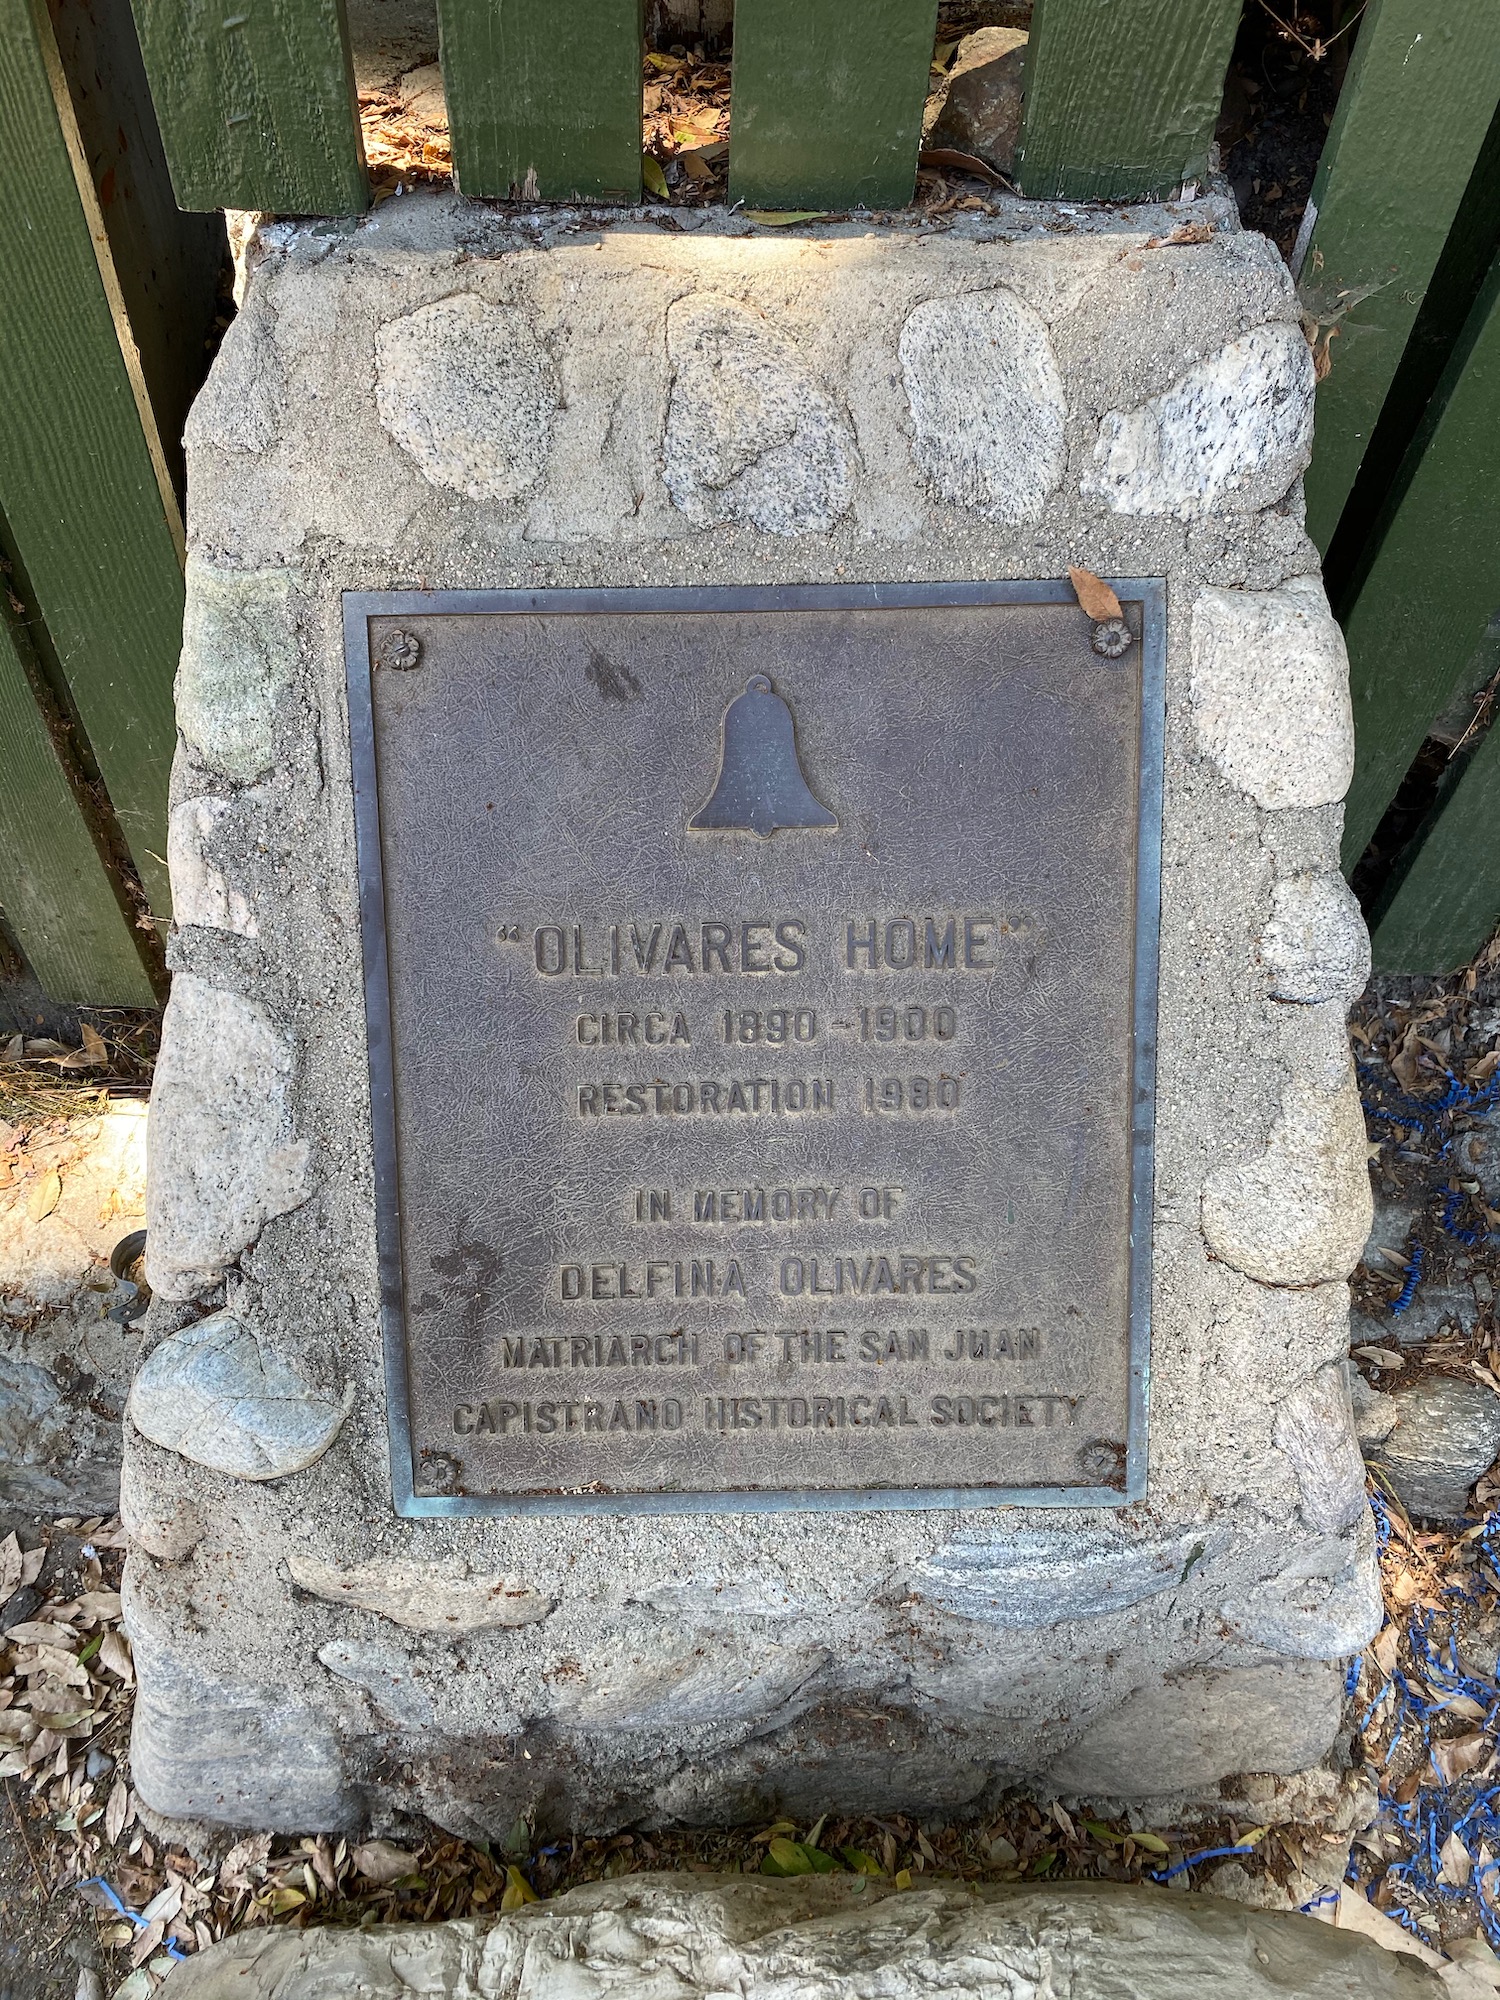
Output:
x=542 y=108
x=54 y=889
x=1122 y=96
x=1434 y=575
x=827 y=102
x=83 y=483
x=1421 y=93
x=168 y=263
x=1449 y=900
x=256 y=103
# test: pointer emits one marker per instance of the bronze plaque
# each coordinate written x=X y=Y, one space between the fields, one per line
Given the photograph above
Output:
x=761 y=991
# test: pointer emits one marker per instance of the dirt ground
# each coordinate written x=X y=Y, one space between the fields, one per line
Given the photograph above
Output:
x=1420 y=1726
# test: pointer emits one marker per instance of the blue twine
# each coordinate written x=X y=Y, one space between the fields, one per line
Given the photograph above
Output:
x=1208 y=1854
x=1413 y=1278
x=1454 y=1201
x=1351 y=1677
x=1324 y=1897
x=1418 y=1113
x=130 y=1916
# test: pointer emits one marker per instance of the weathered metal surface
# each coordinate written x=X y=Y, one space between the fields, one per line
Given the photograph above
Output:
x=761 y=991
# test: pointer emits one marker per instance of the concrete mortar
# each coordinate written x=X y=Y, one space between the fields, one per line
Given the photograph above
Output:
x=705 y=1667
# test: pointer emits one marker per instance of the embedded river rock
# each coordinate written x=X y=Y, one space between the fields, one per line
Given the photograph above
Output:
x=672 y=1153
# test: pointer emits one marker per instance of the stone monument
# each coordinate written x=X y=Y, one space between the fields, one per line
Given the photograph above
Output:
x=755 y=1156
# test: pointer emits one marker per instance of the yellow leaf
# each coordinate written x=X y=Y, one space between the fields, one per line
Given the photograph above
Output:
x=44 y=1197
x=903 y=1879
x=786 y=1857
x=518 y=1891
x=652 y=175
x=1152 y=1842
x=779 y=218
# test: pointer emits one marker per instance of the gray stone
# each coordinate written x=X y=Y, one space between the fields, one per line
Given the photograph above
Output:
x=1185 y=1734
x=424 y=1597
x=1281 y=730
x=834 y=1936
x=751 y=435
x=1298 y=1213
x=655 y=1678
x=1375 y=1412
x=219 y=1395
x=387 y=1674
x=1325 y=1605
x=981 y=108
x=227 y=1751
x=225 y=1156
x=59 y=1441
x=1031 y=1579
x=987 y=403
x=1233 y=431
x=1315 y=946
x=201 y=892
x=239 y=654
x=1446 y=1435
x=469 y=391
x=1313 y=1428
x=703 y=1664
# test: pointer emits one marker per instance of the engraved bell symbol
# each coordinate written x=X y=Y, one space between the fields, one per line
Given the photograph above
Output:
x=761 y=786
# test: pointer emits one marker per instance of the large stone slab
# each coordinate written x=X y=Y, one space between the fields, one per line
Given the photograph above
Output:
x=442 y=396
x=843 y=1939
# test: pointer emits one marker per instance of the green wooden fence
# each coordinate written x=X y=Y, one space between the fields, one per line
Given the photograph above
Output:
x=251 y=104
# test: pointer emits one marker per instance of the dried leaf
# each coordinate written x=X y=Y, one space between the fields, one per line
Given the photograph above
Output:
x=1185 y=232
x=1384 y=1648
x=117 y=1811
x=39 y=1632
x=1404 y=1061
x=114 y=1653
x=780 y=218
x=10 y=1567
x=1458 y=1863
x=95 y=1604
x=11 y=1053
x=963 y=163
x=148 y=1942
x=381 y=1862
x=44 y=1197
x=1062 y=1819
x=1094 y=595
x=1380 y=1357
x=1459 y=1754
x=245 y=1863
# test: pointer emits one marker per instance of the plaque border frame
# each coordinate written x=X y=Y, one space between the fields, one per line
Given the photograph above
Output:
x=359 y=607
